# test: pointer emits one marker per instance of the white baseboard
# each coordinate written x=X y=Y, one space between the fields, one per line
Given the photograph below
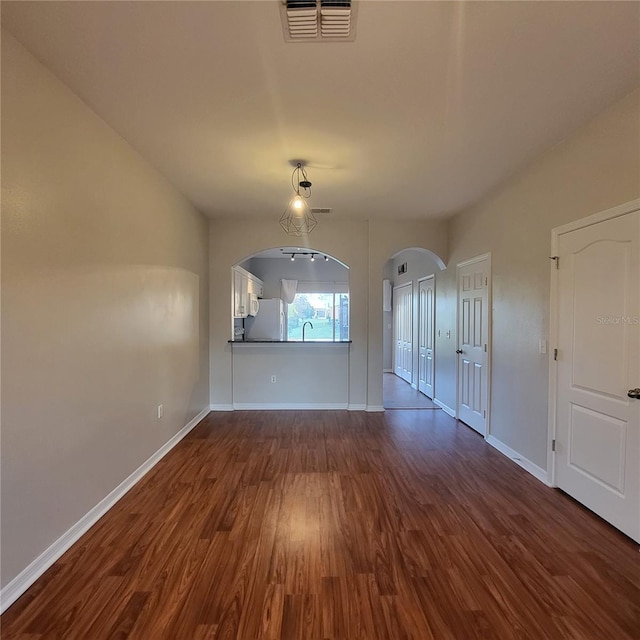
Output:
x=28 y=576
x=387 y=371
x=274 y=406
x=221 y=407
x=527 y=465
x=285 y=406
x=444 y=407
x=414 y=386
x=374 y=408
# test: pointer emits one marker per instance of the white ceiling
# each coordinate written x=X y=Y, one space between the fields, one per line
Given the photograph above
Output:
x=285 y=252
x=432 y=106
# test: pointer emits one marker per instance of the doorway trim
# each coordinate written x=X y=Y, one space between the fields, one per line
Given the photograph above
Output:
x=601 y=216
x=433 y=337
x=459 y=265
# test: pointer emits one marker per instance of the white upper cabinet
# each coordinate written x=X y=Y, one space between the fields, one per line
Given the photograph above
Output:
x=256 y=286
x=244 y=283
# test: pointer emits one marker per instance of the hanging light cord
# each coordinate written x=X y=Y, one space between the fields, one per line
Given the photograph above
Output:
x=296 y=187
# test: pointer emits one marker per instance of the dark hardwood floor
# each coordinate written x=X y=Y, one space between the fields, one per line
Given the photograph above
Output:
x=329 y=524
x=398 y=394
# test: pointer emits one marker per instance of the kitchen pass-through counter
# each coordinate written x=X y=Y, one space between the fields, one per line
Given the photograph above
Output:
x=269 y=374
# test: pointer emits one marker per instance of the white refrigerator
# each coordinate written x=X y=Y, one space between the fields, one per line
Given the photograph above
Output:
x=268 y=323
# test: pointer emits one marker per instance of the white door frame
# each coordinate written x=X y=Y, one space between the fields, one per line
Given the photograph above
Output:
x=602 y=216
x=432 y=275
x=465 y=263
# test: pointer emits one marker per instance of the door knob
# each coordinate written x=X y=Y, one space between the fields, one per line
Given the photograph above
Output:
x=634 y=393
x=458 y=350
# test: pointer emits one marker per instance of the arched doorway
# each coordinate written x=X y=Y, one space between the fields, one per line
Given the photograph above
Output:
x=301 y=296
x=312 y=285
x=409 y=313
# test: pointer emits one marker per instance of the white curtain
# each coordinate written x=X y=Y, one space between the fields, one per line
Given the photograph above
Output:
x=288 y=290
x=386 y=295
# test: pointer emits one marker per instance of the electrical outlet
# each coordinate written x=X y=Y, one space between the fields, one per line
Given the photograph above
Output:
x=160 y=411
x=273 y=378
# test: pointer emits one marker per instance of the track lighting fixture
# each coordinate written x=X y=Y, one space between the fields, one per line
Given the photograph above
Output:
x=292 y=255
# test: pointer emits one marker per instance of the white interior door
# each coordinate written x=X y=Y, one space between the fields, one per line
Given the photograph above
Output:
x=426 y=335
x=597 y=458
x=473 y=342
x=402 y=327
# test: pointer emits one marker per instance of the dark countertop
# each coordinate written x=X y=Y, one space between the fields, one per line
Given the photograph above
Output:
x=298 y=342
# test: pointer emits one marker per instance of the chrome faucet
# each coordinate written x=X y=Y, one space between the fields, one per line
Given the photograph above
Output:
x=304 y=326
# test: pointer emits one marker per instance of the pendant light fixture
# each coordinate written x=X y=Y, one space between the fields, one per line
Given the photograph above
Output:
x=297 y=219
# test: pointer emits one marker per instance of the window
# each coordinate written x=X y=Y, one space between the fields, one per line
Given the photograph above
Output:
x=327 y=312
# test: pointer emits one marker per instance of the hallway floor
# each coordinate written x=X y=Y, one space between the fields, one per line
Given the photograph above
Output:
x=398 y=394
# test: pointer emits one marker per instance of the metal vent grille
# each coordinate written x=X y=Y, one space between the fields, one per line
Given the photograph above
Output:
x=302 y=19
x=318 y=20
x=321 y=210
x=335 y=18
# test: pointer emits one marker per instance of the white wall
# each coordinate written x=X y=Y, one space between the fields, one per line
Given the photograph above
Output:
x=104 y=309
x=595 y=169
x=309 y=375
x=363 y=245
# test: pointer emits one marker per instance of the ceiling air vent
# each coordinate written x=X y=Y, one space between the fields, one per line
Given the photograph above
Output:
x=302 y=19
x=335 y=18
x=318 y=20
x=321 y=210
